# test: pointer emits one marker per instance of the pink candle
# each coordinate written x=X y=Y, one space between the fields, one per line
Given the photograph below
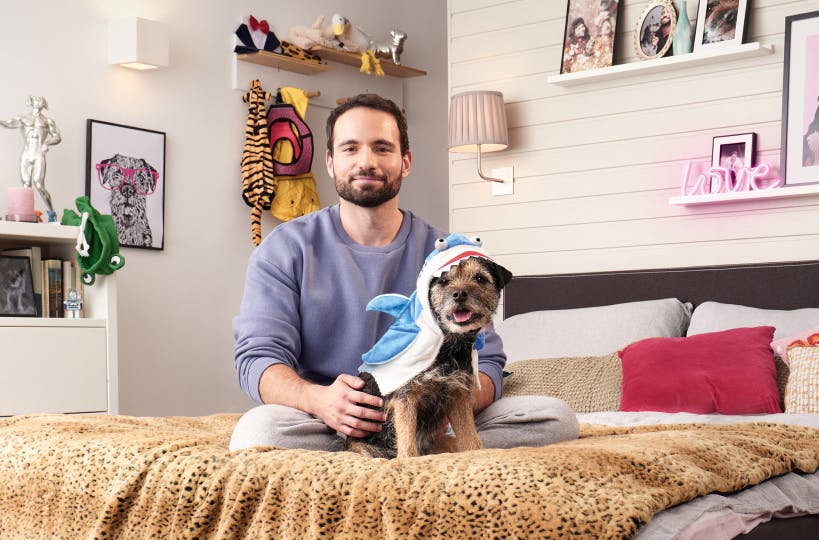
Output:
x=21 y=203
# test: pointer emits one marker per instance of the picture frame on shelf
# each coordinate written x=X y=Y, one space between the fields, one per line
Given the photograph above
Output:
x=799 y=157
x=125 y=177
x=589 y=36
x=720 y=23
x=654 y=33
x=16 y=287
x=732 y=153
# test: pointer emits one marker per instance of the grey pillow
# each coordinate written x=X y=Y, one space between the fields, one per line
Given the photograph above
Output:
x=592 y=331
x=588 y=384
x=715 y=317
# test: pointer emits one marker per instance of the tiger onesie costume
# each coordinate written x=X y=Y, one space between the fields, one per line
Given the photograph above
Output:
x=258 y=180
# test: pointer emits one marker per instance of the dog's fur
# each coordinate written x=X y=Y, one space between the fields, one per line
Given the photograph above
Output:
x=129 y=208
x=720 y=21
x=468 y=293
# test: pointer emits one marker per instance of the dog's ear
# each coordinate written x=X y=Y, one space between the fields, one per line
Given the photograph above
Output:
x=502 y=275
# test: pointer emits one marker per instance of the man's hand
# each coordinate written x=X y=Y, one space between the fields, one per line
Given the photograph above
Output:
x=340 y=407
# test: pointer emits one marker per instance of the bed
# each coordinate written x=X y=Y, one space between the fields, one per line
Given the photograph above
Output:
x=642 y=474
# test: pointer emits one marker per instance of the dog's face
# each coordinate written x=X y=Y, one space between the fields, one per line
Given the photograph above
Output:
x=465 y=297
x=720 y=20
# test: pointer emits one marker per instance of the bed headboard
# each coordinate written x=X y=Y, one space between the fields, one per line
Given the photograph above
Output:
x=789 y=285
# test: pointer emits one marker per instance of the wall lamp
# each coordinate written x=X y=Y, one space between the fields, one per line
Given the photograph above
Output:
x=477 y=124
x=137 y=43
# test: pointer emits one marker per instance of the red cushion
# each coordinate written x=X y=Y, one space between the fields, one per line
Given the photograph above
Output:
x=729 y=372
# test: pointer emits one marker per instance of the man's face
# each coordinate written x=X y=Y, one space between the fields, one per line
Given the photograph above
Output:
x=367 y=164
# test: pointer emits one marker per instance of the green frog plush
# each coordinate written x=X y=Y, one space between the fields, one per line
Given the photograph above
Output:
x=97 y=242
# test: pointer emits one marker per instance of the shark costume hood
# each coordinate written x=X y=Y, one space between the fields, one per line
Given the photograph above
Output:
x=412 y=342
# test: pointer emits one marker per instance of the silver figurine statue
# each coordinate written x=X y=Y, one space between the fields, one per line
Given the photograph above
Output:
x=39 y=132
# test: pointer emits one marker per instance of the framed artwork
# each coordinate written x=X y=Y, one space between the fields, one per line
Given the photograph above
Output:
x=589 y=36
x=732 y=153
x=655 y=30
x=16 y=287
x=799 y=160
x=125 y=177
x=720 y=23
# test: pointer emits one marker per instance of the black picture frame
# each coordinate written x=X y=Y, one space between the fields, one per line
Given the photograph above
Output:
x=596 y=49
x=799 y=150
x=732 y=153
x=651 y=40
x=16 y=287
x=125 y=177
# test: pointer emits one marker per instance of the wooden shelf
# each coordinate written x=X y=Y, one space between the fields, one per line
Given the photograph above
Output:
x=712 y=55
x=776 y=193
x=354 y=59
x=288 y=63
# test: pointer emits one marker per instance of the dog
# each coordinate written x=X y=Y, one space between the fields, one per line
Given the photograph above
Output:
x=720 y=21
x=393 y=49
x=13 y=293
x=130 y=180
x=461 y=300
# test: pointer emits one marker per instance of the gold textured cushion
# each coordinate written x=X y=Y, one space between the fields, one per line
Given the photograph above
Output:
x=586 y=384
x=802 y=392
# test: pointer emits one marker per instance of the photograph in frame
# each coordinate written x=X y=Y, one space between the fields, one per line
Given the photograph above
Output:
x=16 y=287
x=799 y=159
x=732 y=153
x=654 y=33
x=720 y=23
x=589 y=35
x=125 y=177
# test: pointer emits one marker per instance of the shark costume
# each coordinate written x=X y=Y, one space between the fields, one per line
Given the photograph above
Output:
x=412 y=342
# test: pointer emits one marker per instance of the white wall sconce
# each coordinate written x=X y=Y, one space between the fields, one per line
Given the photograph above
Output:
x=477 y=123
x=137 y=43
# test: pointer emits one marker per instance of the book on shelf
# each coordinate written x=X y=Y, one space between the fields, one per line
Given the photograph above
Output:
x=35 y=256
x=53 y=287
x=72 y=279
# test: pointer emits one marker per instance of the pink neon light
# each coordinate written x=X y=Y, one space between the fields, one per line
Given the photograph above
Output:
x=718 y=180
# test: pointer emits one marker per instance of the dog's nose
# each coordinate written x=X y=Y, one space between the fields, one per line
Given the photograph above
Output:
x=459 y=296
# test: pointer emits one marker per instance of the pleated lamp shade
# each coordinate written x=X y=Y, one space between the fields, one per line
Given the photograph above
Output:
x=477 y=122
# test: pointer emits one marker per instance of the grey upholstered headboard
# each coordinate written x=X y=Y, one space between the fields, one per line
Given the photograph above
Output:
x=789 y=285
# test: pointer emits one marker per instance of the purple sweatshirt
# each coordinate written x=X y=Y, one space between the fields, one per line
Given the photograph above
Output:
x=305 y=295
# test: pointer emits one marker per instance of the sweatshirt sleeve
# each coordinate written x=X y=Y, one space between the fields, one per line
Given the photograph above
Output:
x=267 y=329
x=492 y=359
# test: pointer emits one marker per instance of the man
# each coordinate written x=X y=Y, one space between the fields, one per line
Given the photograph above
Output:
x=302 y=326
x=39 y=132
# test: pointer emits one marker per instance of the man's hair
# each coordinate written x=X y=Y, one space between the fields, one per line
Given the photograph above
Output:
x=369 y=101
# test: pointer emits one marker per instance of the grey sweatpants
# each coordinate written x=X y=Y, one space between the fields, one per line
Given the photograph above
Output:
x=507 y=423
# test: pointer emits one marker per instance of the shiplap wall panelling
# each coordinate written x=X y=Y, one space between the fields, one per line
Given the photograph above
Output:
x=596 y=163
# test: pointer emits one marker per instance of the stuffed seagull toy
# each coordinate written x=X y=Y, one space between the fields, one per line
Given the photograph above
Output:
x=412 y=342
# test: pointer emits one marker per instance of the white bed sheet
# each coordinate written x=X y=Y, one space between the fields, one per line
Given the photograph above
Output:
x=715 y=517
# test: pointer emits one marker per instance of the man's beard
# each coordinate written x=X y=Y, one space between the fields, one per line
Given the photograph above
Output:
x=370 y=196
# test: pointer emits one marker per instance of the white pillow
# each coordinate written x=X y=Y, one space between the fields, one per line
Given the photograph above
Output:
x=592 y=331
x=714 y=317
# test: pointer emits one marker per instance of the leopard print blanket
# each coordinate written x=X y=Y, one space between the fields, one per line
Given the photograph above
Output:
x=173 y=477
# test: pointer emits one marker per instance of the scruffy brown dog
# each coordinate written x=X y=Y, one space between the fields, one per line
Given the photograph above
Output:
x=720 y=21
x=463 y=300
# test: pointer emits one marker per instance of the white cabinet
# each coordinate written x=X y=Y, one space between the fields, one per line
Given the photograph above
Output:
x=59 y=365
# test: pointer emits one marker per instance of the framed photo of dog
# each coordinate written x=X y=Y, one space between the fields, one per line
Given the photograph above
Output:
x=654 y=33
x=720 y=23
x=16 y=287
x=589 y=35
x=732 y=153
x=125 y=177
x=799 y=158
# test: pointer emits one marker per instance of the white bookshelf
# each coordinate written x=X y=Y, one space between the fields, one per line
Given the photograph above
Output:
x=51 y=365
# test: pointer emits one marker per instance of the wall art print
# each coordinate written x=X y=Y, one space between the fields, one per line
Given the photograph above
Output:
x=799 y=159
x=125 y=177
x=589 y=37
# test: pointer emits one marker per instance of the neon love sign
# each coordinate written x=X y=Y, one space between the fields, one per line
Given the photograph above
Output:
x=719 y=180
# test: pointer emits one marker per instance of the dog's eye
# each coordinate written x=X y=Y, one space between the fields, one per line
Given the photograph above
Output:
x=442 y=281
x=481 y=279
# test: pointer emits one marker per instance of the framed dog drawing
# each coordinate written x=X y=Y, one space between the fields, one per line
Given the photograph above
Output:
x=125 y=177
x=799 y=163
x=16 y=287
x=720 y=23
x=654 y=33
x=588 y=40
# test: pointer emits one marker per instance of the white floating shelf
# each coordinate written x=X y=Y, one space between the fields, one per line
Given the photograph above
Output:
x=776 y=193
x=710 y=55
